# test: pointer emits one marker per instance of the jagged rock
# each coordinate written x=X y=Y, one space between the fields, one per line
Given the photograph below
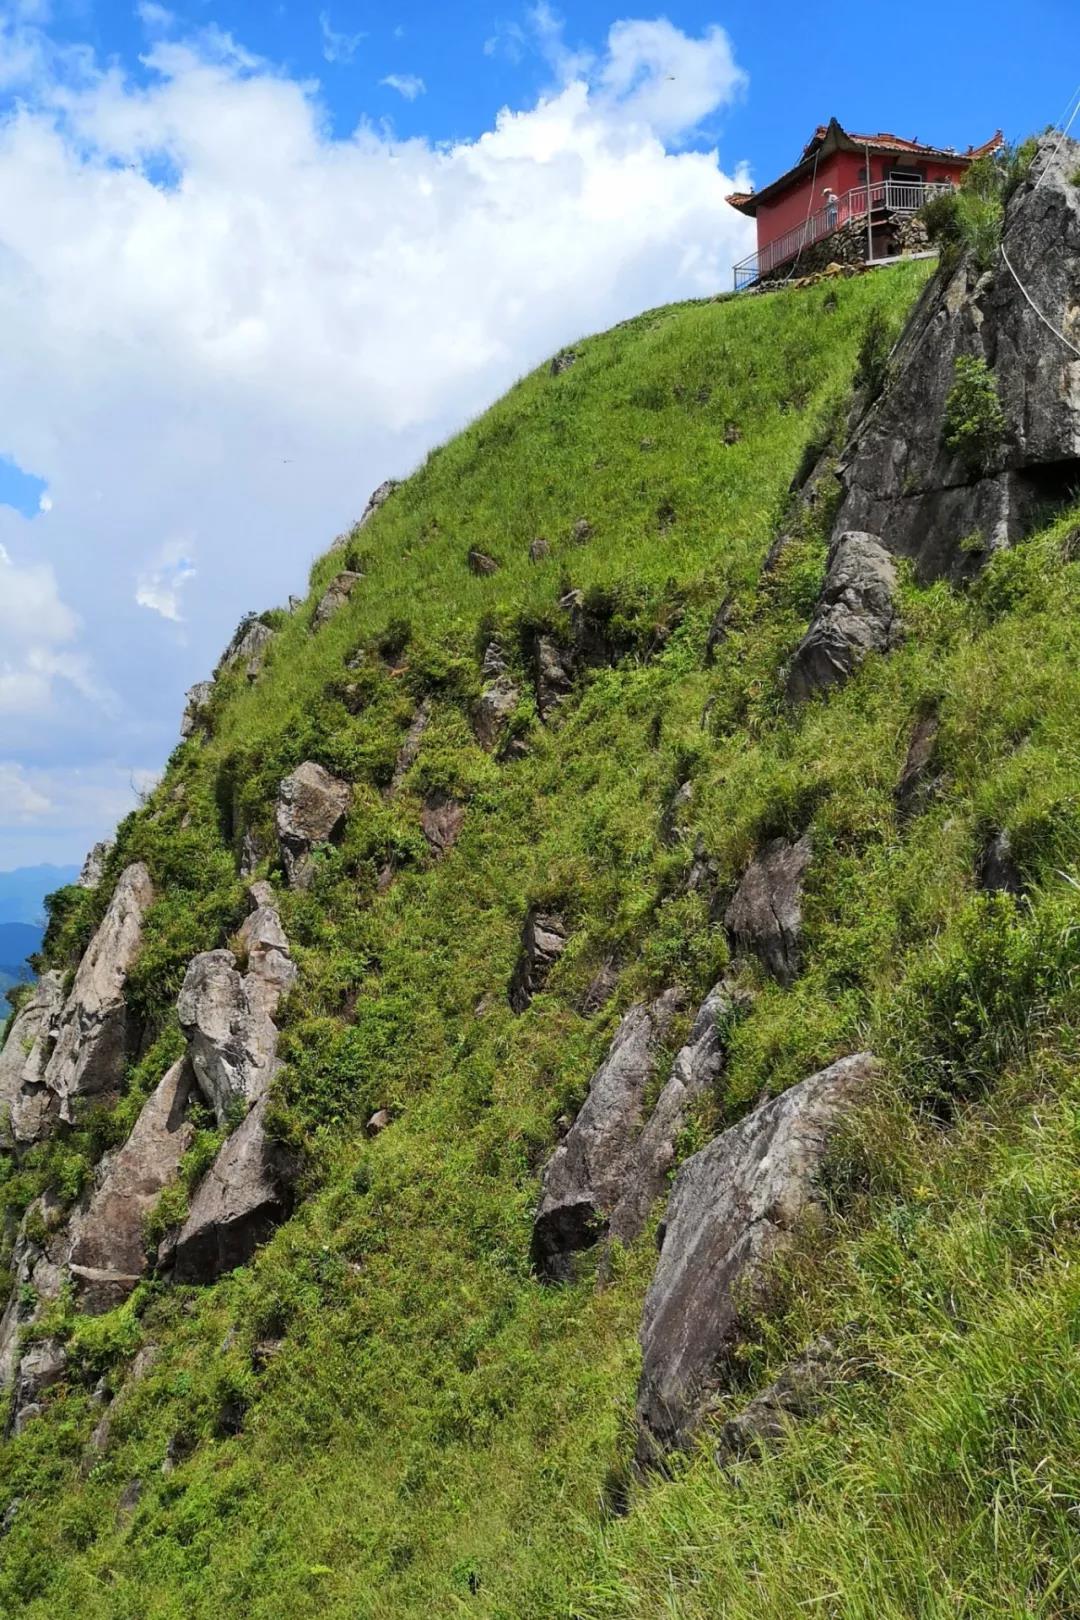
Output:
x=196 y=705
x=260 y=893
x=495 y=661
x=899 y=479
x=553 y=672
x=765 y=915
x=42 y=1365
x=916 y=779
x=601 y=988
x=377 y=498
x=798 y=1393
x=93 y=867
x=492 y=709
x=252 y=852
x=271 y=972
x=311 y=807
x=543 y=940
x=38 y=1269
x=698 y=1065
x=481 y=563
x=109 y=1255
x=410 y=748
x=734 y=1207
x=334 y=598
x=718 y=628
x=586 y=1176
x=247 y=1191
x=27 y=1106
x=855 y=615
x=441 y=821
x=539 y=549
x=95 y=1035
x=563 y=361
x=581 y=531
x=996 y=870
x=379 y=1121
x=228 y=1019
x=247 y=649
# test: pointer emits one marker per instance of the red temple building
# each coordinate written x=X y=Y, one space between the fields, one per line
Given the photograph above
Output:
x=878 y=181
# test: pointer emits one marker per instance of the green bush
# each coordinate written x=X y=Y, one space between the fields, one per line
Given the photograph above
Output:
x=974 y=426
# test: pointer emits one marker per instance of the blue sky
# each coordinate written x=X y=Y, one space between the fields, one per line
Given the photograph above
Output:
x=254 y=258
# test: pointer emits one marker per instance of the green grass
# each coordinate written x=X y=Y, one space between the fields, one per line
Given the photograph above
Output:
x=438 y=1435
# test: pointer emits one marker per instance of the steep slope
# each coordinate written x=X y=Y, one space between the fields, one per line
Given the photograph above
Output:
x=554 y=881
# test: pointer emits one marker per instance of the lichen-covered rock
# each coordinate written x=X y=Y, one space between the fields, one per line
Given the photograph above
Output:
x=95 y=1034
x=900 y=478
x=765 y=915
x=586 y=1176
x=917 y=777
x=855 y=615
x=311 y=809
x=196 y=705
x=247 y=649
x=109 y=1255
x=698 y=1065
x=543 y=940
x=334 y=598
x=27 y=1106
x=93 y=867
x=734 y=1207
x=247 y=1191
x=441 y=821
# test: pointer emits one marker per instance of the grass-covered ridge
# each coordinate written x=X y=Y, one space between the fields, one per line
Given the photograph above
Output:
x=439 y=1434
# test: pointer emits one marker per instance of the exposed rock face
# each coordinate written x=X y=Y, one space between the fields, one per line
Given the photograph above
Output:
x=247 y=649
x=855 y=615
x=698 y=1065
x=493 y=708
x=553 y=673
x=94 y=1033
x=27 y=1106
x=38 y=1271
x=43 y=1365
x=377 y=498
x=311 y=807
x=899 y=479
x=441 y=821
x=563 y=361
x=734 y=1207
x=543 y=940
x=917 y=777
x=798 y=1393
x=997 y=871
x=109 y=1256
x=586 y=1177
x=410 y=747
x=765 y=916
x=94 y=865
x=334 y=598
x=243 y=1196
x=481 y=563
x=195 y=708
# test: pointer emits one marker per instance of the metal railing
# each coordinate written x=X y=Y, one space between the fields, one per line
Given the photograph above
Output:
x=890 y=196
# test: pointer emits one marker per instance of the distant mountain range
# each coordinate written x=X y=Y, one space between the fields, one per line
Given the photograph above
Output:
x=22 y=918
x=17 y=941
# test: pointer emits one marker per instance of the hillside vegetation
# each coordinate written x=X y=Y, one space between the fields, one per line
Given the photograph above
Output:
x=433 y=1431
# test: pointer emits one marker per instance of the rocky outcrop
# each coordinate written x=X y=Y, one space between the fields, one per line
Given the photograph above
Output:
x=586 y=1177
x=95 y=1035
x=410 y=748
x=334 y=598
x=93 y=868
x=311 y=809
x=543 y=940
x=38 y=1270
x=109 y=1255
x=554 y=668
x=563 y=361
x=376 y=499
x=493 y=709
x=917 y=779
x=539 y=549
x=196 y=708
x=899 y=477
x=734 y=1207
x=855 y=615
x=27 y=1106
x=247 y=649
x=765 y=915
x=797 y=1394
x=441 y=821
x=244 y=1195
x=698 y=1066
x=43 y=1364
x=481 y=562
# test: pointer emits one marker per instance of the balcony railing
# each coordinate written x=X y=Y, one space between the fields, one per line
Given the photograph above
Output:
x=888 y=196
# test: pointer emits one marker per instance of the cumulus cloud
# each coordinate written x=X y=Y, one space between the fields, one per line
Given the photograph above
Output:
x=223 y=324
x=406 y=84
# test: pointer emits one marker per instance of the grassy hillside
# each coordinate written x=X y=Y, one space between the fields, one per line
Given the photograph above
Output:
x=439 y=1435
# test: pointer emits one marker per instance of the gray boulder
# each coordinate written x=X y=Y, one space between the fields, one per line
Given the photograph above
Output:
x=109 y=1255
x=228 y=1017
x=334 y=598
x=898 y=477
x=765 y=915
x=42 y=1365
x=586 y=1177
x=493 y=709
x=27 y=1106
x=481 y=562
x=855 y=615
x=734 y=1207
x=247 y=1191
x=311 y=809
x=93 y=867
x=247 y=649
x=95 y=1034
x=196 y=706
x=543 y=940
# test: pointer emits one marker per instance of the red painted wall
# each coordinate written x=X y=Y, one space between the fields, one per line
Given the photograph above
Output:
x=842 y=171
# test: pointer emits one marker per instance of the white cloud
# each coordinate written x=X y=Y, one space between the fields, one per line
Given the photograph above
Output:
x=338 y=47
x=158 y=19
x=20 y=801
x=406 y=84
x=45 y=501
x=224 y=325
